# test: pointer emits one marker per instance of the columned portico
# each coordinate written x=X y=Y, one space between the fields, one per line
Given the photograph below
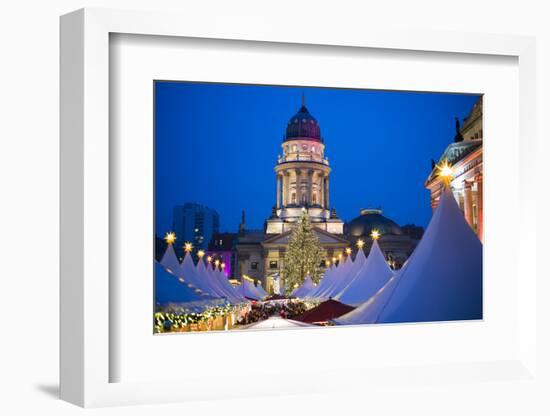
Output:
x=468 y=201
x=479 y=184
x=327 y=192
x=279 y=178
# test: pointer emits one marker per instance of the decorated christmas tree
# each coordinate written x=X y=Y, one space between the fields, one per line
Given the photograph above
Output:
x=303 y=256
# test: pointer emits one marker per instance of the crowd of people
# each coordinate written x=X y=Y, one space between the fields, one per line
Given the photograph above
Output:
x=260 y=311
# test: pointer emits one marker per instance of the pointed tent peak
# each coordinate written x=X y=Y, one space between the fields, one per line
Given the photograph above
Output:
x=447 y=202
x=345 y=263
x=169 y=259
x=200 y=264
x=426 y=288
x=304 y=289
x=376 y=262
x=374 y=274
x=187 y=260
x=376 y=246
x=360 y=256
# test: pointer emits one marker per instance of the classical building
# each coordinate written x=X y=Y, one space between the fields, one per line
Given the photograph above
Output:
x=465 y=155
x=302 y=174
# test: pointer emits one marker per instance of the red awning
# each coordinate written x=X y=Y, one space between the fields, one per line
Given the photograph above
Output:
x=324 y=312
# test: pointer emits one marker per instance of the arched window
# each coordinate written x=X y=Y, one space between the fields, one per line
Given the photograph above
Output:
x=293 y=198
x=315 y=198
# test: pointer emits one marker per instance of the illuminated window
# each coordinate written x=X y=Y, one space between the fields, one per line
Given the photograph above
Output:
x=273 y=264
x=313 y=149
x=294 y=148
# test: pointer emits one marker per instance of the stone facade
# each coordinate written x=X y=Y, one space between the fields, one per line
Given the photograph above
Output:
x=302 y=174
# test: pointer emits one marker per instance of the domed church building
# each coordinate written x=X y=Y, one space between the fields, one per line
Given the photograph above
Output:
x=302 y=178
x=396 y=242
x=302 y=175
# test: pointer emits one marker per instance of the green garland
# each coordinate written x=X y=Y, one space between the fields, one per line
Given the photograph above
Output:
x=174 y=319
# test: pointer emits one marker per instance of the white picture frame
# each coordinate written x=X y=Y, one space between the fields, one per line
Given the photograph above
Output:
x=85 y=204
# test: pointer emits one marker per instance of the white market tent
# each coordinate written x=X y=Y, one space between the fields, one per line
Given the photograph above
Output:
x=247 y=290
x=304 y=288
x=277 y=322
x=188 y=272
x=170 y=290
x=441 y=281
x=232 y=295
x=261 y=290
x=202 y=274
x=170 y=260
x=369 y=279
x=324 y=283
x=346 y=275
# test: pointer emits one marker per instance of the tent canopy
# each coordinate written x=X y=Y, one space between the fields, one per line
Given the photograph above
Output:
x=170 y=260
x=304 y=288
x=369 y=280
x=170 y=290
x=441 y=281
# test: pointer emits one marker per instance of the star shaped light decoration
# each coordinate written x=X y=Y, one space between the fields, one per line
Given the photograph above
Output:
x=375 y=234
x=445 y=172
x=209 y=259
x=348 y=251
x=188 y=247
x=170 y=238
x=222 y=266
x=360 y=243
x=217 y=262
x=200 y=253
x=327 y=263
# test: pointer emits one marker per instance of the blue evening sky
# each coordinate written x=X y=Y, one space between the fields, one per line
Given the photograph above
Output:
x=217 y=145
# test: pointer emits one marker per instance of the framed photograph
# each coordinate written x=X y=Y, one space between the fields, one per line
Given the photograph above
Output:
x=304 y=263
x=316 y=200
